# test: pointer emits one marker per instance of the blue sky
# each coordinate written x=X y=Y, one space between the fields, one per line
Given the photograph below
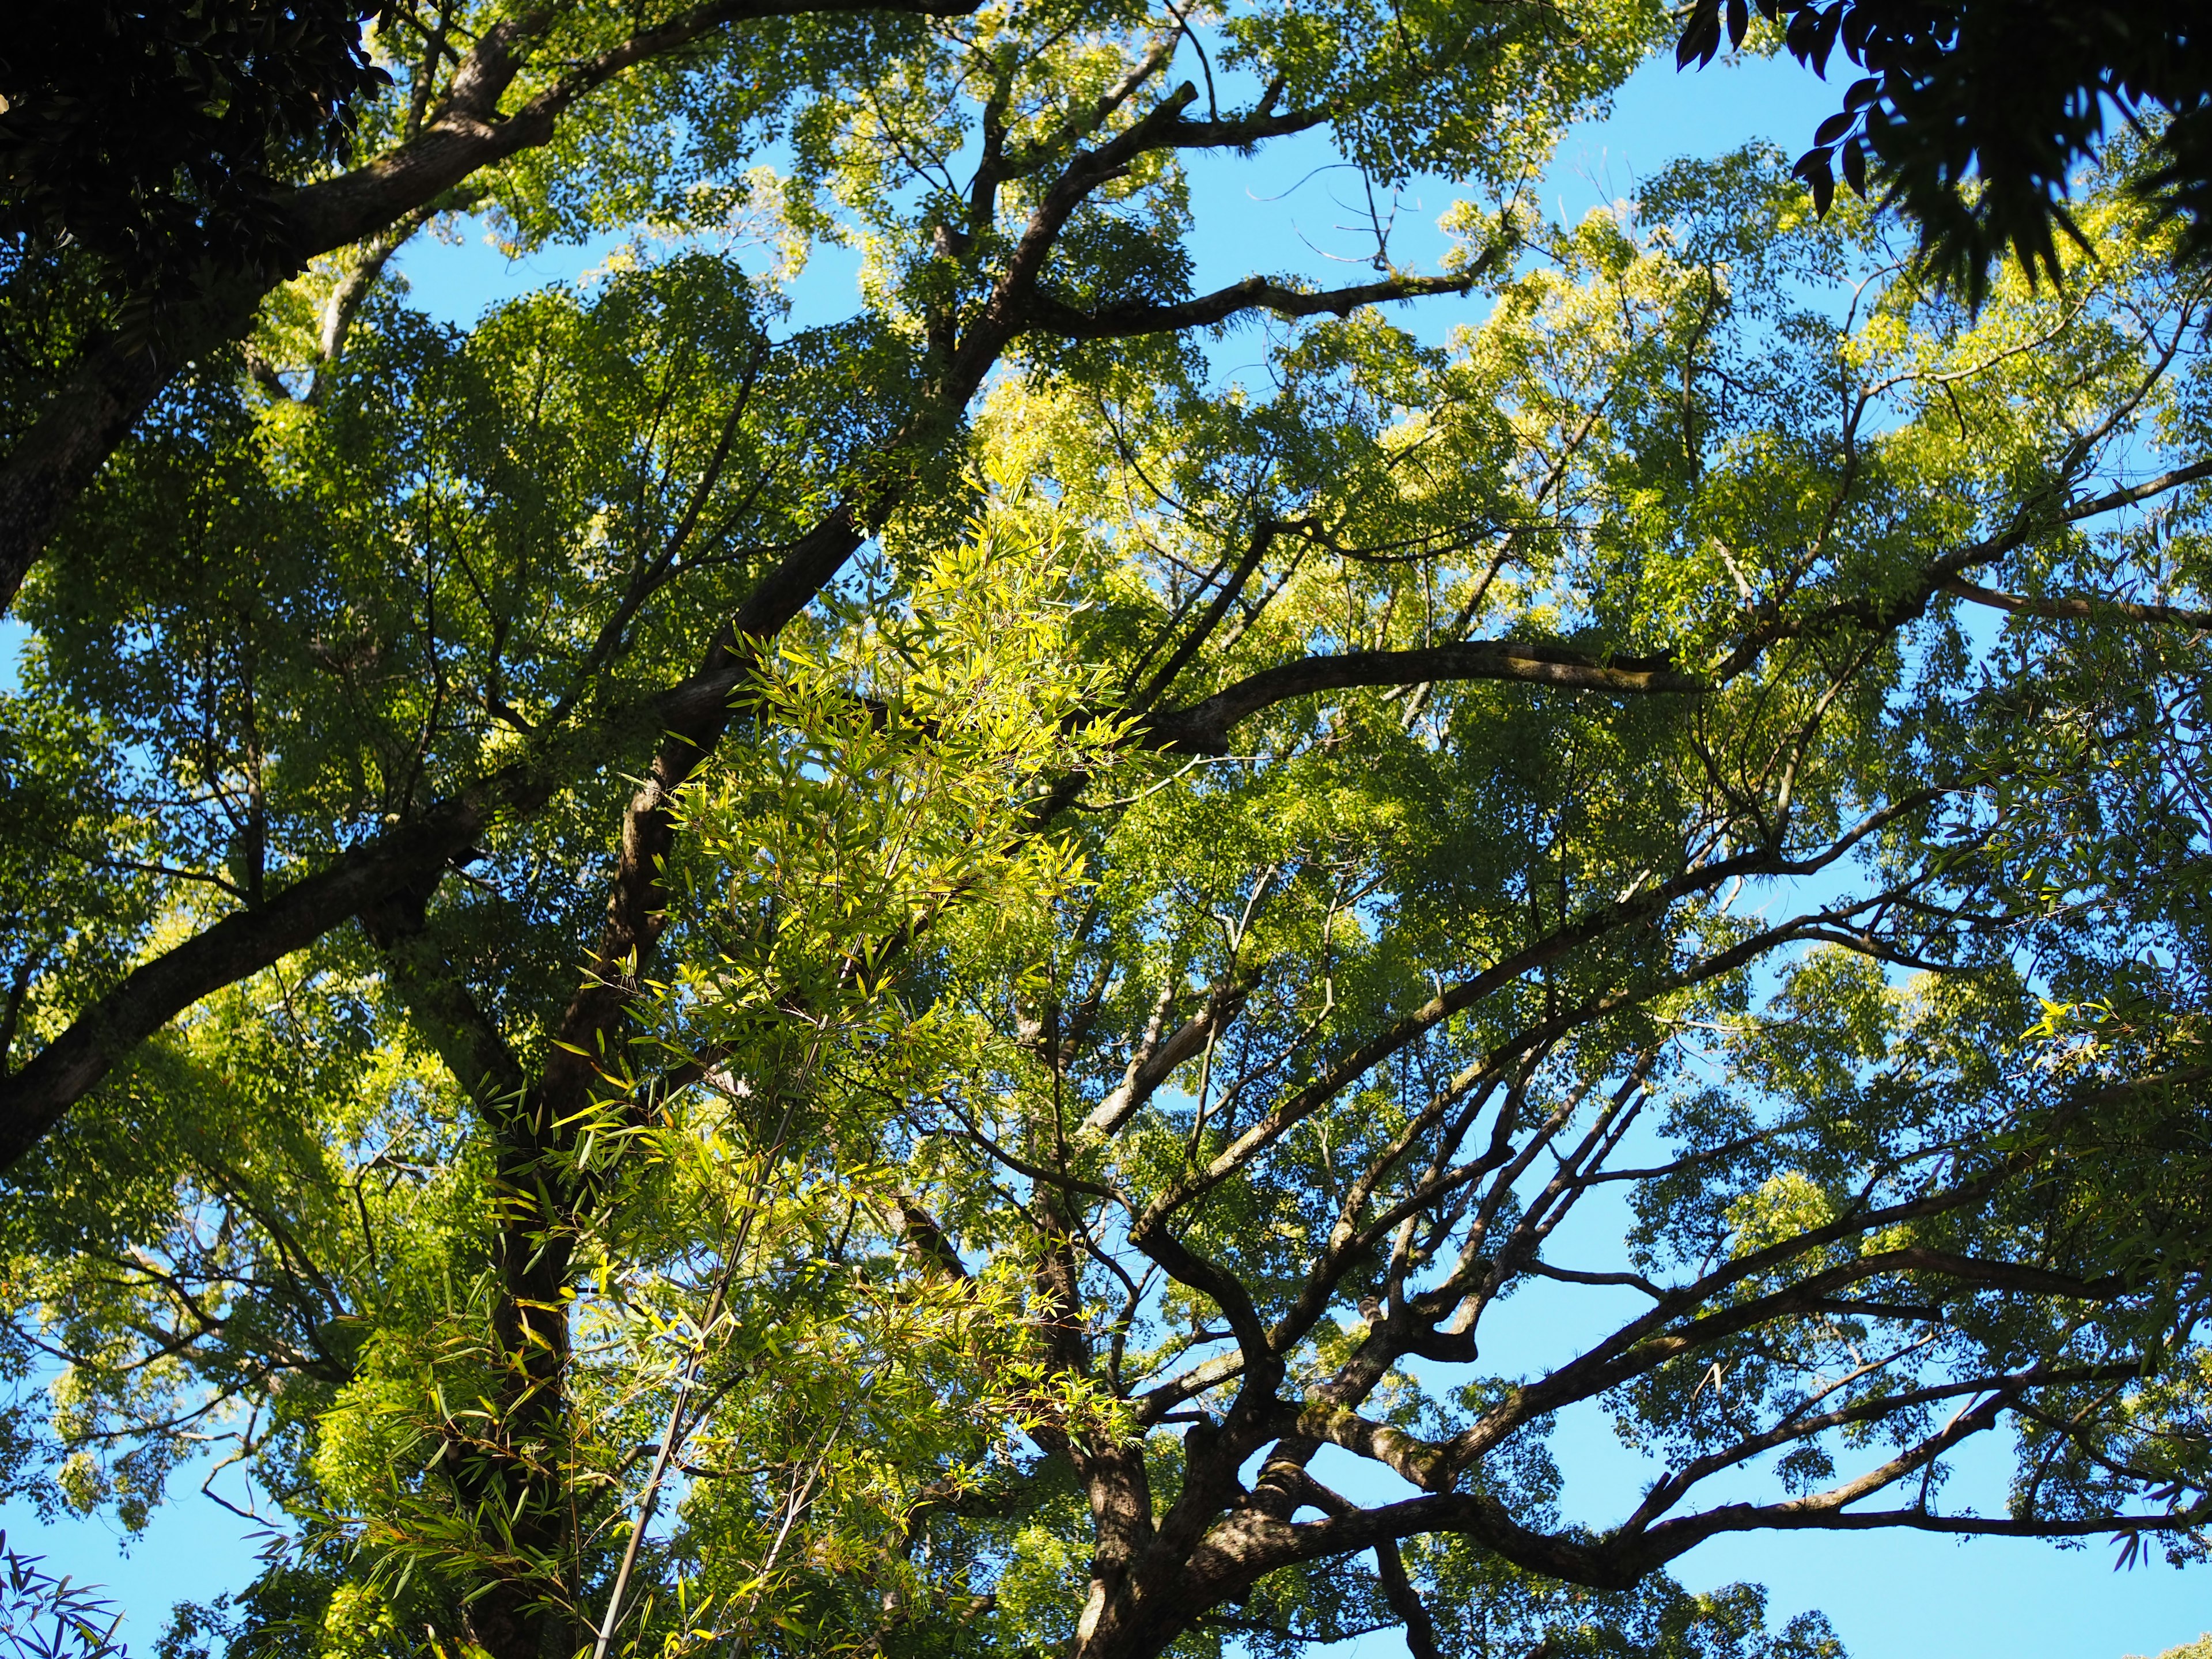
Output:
x=1889 y=1596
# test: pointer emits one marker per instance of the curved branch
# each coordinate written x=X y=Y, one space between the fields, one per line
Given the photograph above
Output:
x=35 y=1098
x=1254 y=294
x=467 y=131
x=2073 y=608
x=1406 y=1602
x=1203 y=728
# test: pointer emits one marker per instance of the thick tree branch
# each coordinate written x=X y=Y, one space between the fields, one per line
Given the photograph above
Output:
x=1252 y=294
x=468 y=130
x=354 y=287
x=637 y=902
x=1157 y=1058
x=1203 y=728
x=35 y=1098
x=1251 y=1543
x=2077 y=609
x=243 y=943
x=1005 y=314
x=79 y=426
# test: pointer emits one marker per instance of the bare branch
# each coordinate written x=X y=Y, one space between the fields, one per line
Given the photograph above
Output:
x=1202 y=728
x=1252 y=294
x=2073 y=608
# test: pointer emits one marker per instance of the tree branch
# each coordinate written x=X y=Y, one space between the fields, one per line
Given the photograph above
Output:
x=1202 y=728
x=2071 y=608
x=1406 y=1602
x=2037 y=517
x=113 y=383
x=35 y=1098
x=441 y=1006
x=1252 y=294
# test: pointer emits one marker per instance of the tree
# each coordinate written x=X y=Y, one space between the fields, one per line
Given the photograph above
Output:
x=909 y=985
x=482 y=85
x=1975 y=118
x=148 y=136
x=149 y=157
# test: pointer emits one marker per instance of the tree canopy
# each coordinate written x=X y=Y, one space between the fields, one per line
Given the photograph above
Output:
x=948 y=983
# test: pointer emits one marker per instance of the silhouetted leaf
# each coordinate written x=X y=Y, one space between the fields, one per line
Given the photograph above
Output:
x=1854 y=164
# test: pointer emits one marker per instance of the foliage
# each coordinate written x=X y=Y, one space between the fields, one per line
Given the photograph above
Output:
x=2014 y=98
x=44 y=1617
x=971 y=982
x=151 y=135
